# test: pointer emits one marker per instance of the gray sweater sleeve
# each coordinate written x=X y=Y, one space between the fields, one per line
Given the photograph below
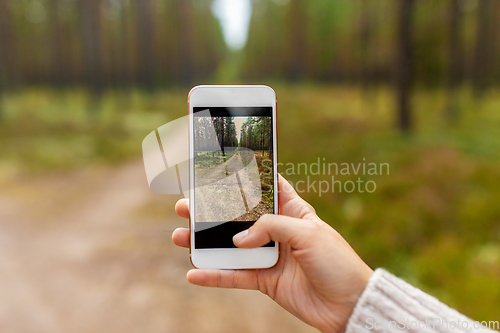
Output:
x=389 y=304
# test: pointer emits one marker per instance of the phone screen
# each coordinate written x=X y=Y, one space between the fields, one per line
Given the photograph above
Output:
x=233 y=172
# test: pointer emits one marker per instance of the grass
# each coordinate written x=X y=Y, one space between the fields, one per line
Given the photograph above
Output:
x=434 y=220
x=46 y=130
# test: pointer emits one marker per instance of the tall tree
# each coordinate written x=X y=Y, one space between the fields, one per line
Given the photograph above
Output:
x=480 y=71
x=6 y=58
x=404 y=64
x=365 y=22
x=92 y=44
x=455 y=60
x=297 y=40
x=186 y=41
x=221 y=133
x=57 y=60
x=496 y=46
x=124 y=66
x=145 y=37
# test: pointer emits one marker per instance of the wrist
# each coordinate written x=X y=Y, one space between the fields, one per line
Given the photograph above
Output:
x=342 y=304
x=354 y=297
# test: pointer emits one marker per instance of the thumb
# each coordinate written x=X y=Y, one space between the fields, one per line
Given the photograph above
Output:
x=287 y=230
x=291 y=204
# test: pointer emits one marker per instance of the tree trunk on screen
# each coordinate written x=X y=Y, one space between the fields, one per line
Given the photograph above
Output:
x=249 y=138
x=228 y=131
x=482 y=48
x=404 y=64
x=145 y=36
x=186 y=41
x=222 y=134
x=455 y=60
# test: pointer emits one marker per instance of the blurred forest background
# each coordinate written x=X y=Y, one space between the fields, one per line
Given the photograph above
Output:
x=84 y=245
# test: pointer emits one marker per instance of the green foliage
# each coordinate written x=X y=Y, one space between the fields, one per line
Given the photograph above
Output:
x=209 y=160
x=256 y=133
x=270 y=198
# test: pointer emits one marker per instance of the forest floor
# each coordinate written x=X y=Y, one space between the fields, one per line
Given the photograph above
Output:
x=89 y=250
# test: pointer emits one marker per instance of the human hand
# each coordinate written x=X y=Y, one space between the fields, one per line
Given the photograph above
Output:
x=318 y=277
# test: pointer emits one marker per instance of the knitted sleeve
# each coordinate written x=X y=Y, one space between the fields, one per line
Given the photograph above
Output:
x=389 y=304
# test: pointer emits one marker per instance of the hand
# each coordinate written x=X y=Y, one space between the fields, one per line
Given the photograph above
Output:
x=318 y=277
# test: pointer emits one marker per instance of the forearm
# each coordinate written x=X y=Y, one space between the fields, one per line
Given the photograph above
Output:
x=389 y=304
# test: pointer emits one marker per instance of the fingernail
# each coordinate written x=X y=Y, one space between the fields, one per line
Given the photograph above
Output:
x=240 y=236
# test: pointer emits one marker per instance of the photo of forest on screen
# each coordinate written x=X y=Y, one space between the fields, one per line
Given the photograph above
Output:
x=241 y=140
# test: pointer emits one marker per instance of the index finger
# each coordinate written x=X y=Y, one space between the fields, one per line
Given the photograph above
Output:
x=225 y=278
x=182 y=208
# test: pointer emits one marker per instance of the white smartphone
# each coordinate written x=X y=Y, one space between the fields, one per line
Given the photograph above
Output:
x=233 y=176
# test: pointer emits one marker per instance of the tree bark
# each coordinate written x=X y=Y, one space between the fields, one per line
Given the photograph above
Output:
x=404 y=65
x=481 y=66
x=6 y=51
x=364 y=40
x=57 y=61
x=186 y=42
x=125 y=67
x=297 y=41
x=455 y=60
x=145 y=36
x=92 y=43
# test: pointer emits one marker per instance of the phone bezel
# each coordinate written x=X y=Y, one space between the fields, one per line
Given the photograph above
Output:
x=232 y=96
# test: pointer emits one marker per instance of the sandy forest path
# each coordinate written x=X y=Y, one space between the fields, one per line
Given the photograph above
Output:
x=90 y=251
x=225 y=191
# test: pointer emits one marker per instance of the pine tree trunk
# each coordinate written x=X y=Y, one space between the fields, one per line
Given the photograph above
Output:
x=481 y=58
x=185 y=39
x=297 y=40
x=145 y=36
x=454 y=60
x=404 y=65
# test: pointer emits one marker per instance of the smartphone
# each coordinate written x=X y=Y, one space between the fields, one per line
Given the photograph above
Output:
x=232 y=173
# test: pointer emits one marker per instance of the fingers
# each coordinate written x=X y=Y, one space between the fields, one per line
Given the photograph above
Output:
x=181 y=237
x=241 y=279
x=291 y=204
x=182 y=208
x=286 y=191
x=287 y=230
